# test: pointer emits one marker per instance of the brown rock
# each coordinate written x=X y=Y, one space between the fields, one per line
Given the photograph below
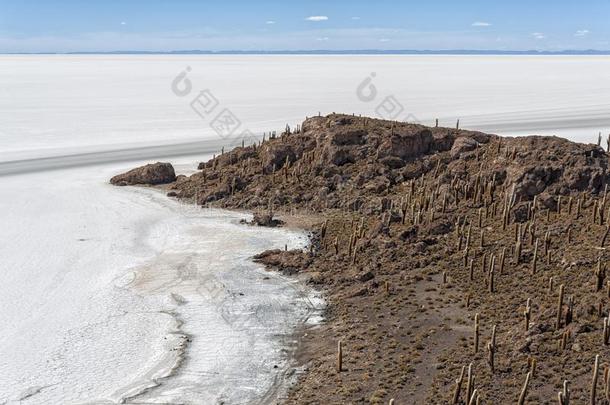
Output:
x=275 y=154
x=365 y=276
x=349 y=137
x=288 y=262
x=461 y=145
x=337 y=156
x=156 y=173
x=265 y=219
x=411 y=143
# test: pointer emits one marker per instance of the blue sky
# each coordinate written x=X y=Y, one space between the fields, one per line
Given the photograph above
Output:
x=70 y=25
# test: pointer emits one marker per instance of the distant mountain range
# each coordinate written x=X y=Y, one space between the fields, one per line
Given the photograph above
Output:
x=333 y=52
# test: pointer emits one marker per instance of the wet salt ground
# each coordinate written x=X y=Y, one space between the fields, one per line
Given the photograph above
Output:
x=241 y=318
x=104 y=288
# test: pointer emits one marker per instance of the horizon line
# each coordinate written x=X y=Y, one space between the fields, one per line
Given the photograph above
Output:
x=330 y=52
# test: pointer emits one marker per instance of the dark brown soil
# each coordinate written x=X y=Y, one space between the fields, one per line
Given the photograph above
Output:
x=400 y=211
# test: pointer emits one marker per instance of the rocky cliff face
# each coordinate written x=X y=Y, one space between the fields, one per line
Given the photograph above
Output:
x=344 y=161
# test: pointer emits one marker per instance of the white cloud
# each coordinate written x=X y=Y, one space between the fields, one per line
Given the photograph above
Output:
x=123 y=23
x=270 y=22
x=538 y=35
x=582 y=33
x=481 y=24
x=355 y=18
x=317 y=18
x=384 y=40
x=322 y=39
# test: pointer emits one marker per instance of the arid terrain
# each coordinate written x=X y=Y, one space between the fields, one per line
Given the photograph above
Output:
x=459 y=267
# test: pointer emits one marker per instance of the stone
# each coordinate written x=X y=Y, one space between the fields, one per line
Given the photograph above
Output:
x=461 y=145
x=151 y=174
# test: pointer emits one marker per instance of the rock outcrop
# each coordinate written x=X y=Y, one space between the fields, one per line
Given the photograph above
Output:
x=151 y=174
x=342 y=161
x=288 y=262
x=264 y=219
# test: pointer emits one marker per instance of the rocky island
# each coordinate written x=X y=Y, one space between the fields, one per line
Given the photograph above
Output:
x=459 y=267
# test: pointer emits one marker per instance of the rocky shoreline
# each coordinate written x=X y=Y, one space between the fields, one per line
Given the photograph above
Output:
x=444 y=254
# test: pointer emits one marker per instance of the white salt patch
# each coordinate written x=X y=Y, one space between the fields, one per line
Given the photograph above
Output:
x=52 y=105
x=104 y=287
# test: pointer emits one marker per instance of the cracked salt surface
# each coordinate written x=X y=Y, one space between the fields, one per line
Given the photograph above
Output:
x=122 y=295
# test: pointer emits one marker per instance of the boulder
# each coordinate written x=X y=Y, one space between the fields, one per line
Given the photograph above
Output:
x=520 y=213
x=215 y=193
x=442 y=140
x=392 y=162
x=440 y=226
x=351 y=137
x=265 y=219
x=533 y=180
x=342 y=121
x=378 y=185
x=337 y=155
x=461 y=145
x=409 y=144
x=152 y=174
x=410 y=234
x=288 y=262
x=365 y=276
x=276 y=154
x=554 y=165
